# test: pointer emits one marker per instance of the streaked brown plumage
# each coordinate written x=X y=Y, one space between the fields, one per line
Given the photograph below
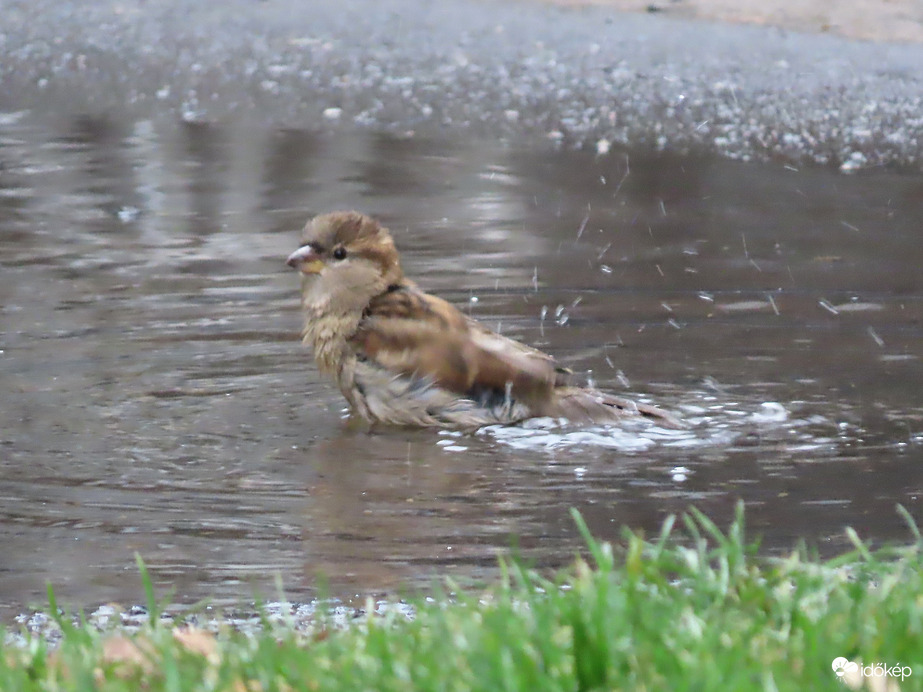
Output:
x=404 y=357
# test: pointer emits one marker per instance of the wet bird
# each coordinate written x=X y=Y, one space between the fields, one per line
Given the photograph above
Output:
x=404 y=357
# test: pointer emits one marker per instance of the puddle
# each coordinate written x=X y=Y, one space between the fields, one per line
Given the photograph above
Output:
x=155 y=398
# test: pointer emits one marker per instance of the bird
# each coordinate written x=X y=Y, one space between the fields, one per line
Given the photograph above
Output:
x=404 y=357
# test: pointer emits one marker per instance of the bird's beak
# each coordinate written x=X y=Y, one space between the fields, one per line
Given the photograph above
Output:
x=305 y=260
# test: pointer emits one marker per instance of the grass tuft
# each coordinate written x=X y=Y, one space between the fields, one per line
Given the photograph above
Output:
x=697 y=609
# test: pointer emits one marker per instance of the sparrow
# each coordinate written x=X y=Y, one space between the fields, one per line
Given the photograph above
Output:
x=404 y=357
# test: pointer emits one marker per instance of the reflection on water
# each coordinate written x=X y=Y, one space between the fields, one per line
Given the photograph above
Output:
x=156 y=399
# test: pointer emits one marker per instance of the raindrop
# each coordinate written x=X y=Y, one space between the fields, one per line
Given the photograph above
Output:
x=127 y=214
x=583 y=223
x=828 y=307
x=772 y=302
x=560 y=316
x=877 y=339
x=679 y=473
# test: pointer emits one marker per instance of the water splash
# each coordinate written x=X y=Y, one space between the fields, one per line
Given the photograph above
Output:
x=712 y=424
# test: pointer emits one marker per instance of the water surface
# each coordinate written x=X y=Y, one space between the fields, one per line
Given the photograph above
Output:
x=155 y=398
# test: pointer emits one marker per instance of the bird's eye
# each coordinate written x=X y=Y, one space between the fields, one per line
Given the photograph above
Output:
x=339 y=253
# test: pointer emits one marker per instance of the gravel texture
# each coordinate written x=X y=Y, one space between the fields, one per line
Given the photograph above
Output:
x=527 y=71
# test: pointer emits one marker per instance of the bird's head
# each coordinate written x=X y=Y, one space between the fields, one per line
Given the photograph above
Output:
x=345 y=259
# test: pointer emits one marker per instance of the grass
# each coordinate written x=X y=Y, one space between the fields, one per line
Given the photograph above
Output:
x=694 y=611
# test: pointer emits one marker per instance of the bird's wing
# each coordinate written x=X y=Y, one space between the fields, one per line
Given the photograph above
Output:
x=515 y=351
x=410 y=332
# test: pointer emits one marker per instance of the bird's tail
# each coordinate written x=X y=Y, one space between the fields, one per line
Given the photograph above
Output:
x=591 y=406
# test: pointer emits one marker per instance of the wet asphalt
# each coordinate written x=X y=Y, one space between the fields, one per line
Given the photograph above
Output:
x=516 y=70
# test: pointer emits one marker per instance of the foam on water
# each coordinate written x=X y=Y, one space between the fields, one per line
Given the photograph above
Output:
x=711 y=424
